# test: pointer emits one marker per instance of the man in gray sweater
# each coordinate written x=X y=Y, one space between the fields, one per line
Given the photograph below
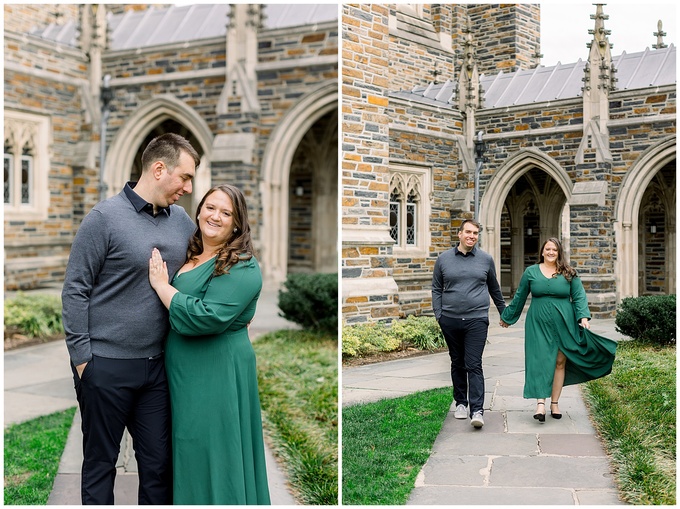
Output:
x=463 y=279
x=115 y=324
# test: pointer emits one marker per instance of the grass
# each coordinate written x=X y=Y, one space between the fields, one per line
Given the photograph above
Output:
x=634 y=410
x=32 y=453
x=298 y=381
x=385 y=445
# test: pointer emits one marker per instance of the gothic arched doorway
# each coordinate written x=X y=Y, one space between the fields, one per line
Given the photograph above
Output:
x=645 y=222
x=313 y=191
x=532 y=212
x=656 y=234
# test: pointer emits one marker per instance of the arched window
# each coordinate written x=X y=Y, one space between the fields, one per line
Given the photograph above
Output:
x=26 y=165
x=409 y=212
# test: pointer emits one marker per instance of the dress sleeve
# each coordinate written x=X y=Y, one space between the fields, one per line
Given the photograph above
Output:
x=229 y=301
x=514 y=310
x=579 y=299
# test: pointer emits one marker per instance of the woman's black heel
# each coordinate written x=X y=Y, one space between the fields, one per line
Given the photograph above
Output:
x=553 y=415
x=540 y=417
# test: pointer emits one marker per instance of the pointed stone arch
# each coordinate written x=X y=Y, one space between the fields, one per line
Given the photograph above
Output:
x=121 y=153
x=627 y=210
x=276 y=164
x=498 y=188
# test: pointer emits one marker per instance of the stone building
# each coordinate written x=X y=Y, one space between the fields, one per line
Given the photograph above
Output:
x=253 y=87
x=583 y=151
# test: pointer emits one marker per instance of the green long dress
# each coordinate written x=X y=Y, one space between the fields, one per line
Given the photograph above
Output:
x=551 y=324
x=217 y=444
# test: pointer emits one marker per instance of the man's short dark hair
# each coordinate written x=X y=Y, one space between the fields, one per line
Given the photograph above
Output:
x=167 y=148
x=472 y=222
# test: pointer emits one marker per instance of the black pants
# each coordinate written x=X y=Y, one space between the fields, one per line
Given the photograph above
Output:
x=114 y=394
x=466 y=339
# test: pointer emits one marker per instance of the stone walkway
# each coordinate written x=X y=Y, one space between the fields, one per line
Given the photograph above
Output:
x=513 y=459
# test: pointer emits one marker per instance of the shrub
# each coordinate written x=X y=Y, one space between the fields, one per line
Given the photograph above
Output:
x=650 y=319
x=311 y=300
x=421 y=332
x=34 y=315
x=367 y=338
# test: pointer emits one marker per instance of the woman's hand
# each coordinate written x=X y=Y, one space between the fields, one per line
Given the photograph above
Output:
x=504 y=325
x=585 y=323
x=158 y=277
x=158 y=270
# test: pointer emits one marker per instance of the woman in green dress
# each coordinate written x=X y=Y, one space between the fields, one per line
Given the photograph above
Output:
x=559 y=348
x=218 y=448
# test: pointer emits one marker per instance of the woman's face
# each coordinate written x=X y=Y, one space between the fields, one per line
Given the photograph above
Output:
x=216 y=218
x=550 y=252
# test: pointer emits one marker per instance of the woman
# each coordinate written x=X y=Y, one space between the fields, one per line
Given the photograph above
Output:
x=557 y=351
x=218 y=449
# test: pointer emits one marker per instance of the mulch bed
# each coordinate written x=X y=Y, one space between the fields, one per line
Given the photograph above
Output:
x=14 y=340
x=388 y=356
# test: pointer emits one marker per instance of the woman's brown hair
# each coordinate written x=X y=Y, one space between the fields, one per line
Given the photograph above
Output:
x=562 y=266
x=239 y=245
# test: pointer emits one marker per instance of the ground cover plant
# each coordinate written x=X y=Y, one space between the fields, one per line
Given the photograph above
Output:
x=298 y=380
x=634 y=410
x=33 y=450
x=33 y=315
x=419 y=332
x=385 y=445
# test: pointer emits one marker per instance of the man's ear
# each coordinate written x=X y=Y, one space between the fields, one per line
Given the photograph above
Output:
x=157 y=169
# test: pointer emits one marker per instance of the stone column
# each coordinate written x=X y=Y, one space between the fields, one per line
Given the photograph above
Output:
x=592 y=235
x=369 y=291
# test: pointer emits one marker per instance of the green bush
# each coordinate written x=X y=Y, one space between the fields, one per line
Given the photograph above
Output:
x=311 y=300
x=650 y=319
x=367 y=338
x=34 y=315
x=421 y=332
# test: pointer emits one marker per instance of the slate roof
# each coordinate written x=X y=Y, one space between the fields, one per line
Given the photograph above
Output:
x=164 y=25
x=644 y=69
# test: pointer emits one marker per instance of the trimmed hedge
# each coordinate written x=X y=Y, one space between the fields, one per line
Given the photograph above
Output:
x=311 y=301
x=650 y=319
x=421 y=332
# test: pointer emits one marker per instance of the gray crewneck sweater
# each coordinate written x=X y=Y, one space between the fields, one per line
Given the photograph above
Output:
x=461 y=285
x=108 y=306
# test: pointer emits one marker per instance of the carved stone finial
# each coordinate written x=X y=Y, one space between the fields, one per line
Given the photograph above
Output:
x=659 y=36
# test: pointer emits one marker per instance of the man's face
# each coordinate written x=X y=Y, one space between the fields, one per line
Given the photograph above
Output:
x=175 y=182
x=468 y=235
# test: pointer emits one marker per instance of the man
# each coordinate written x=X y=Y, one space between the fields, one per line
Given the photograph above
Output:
x=463 y=279
x=116 y=325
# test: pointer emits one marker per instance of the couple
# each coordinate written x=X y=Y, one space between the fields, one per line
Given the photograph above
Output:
x=557 y=351
x=197 y=431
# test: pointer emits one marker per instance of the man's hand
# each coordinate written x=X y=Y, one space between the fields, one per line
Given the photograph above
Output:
x=504 y=325
x=80 y=368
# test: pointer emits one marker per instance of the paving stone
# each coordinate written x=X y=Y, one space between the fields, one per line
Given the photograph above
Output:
x=476 y=496
x=455 y=471
x=570 y=445
x=598 y=497
x=491 y=443
x=553 y=471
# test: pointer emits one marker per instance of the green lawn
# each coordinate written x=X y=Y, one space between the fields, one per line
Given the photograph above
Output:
x=32 y=453
x=634 y=410
x=385 y=445
x=298 y=380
